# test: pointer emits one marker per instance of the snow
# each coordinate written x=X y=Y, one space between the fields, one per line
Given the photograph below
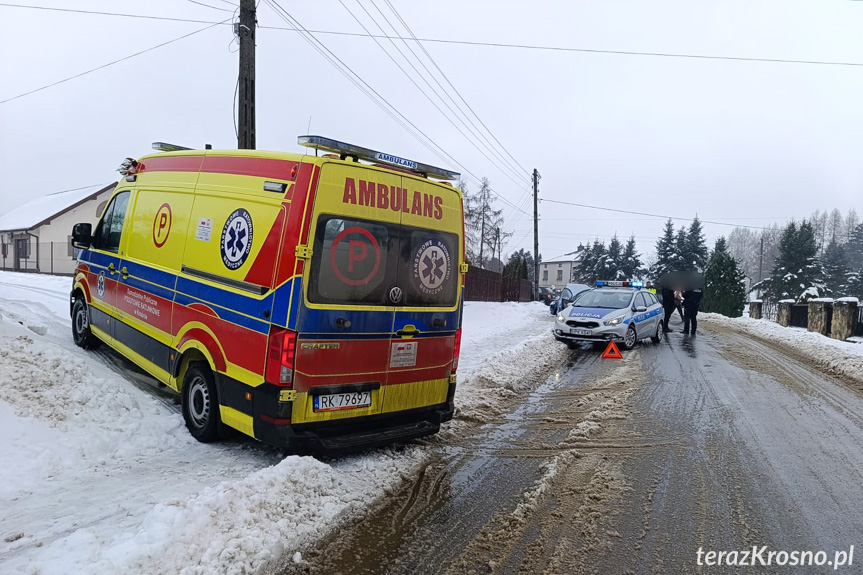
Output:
x=822 y=300
x=847 y=300
x=36 y=211
x=840 y=357
x=98 y=474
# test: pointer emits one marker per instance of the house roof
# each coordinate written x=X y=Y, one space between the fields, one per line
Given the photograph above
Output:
x=41 y=210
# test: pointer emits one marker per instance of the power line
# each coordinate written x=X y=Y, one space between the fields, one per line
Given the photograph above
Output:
x=471 y=43
x=653 y=215
x=423 y=92
x=110 y=63
x=491 y=147
x=432 y=60
x=208 y=6
x=364 y=87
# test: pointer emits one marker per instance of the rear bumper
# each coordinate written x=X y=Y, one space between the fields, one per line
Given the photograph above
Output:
x=343 y=436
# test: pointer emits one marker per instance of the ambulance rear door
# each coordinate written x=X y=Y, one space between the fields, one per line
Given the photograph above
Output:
x=345 y=324
x=428 y=314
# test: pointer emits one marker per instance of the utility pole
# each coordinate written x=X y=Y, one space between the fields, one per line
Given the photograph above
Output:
x=245 y=31
x=535 y=232
x=760 y=262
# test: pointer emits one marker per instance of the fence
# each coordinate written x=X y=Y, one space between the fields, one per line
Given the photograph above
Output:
x=486 y=285
x=44 y=257
x=858 y=330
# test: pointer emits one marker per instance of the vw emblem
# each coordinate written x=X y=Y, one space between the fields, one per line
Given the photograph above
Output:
x=396 y=294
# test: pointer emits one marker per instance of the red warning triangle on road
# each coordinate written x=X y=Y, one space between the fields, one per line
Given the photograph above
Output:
x=612 y=351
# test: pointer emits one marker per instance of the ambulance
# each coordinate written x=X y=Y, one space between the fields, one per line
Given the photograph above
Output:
x=312 y=302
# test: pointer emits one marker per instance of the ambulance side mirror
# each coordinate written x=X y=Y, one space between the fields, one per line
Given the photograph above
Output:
x=82 y=235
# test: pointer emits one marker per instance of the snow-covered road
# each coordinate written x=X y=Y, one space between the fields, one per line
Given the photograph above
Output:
x=99 y=475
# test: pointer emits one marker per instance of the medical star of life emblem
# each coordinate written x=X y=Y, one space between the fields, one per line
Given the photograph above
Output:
x=432 y=266
x=100 y=285
x=237 y=239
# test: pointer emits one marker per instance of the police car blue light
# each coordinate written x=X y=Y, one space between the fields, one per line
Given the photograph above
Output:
x=621 y=311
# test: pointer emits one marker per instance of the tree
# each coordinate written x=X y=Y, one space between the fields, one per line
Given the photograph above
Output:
x=664 y=252
x=681 y=254
x=630 y=261
x=796 y=273
x=592 y=263
x=724 y=292
x=519 y=265
x=854 y=256
x=835 y=270
x=696 y=249
x=612 y=266
x=483 y=225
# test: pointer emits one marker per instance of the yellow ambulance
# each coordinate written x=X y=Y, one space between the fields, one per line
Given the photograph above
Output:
x=312 y=302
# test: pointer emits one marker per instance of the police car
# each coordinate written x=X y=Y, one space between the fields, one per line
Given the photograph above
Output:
x=622 y=311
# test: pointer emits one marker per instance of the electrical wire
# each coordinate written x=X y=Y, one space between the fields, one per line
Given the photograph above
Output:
x=378 y=99
x=445 y=77
x=468 y=42
x=423 y=92
x=472 y=128
x=208 y=6
x=653 y=215
x=110 y=63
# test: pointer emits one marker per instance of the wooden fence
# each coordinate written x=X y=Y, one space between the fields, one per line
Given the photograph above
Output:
x=486 y=285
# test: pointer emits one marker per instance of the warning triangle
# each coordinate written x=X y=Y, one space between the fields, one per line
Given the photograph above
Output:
x=612 y=351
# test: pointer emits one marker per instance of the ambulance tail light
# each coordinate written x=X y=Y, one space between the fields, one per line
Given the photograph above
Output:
x=280 y=357
x=456 y=349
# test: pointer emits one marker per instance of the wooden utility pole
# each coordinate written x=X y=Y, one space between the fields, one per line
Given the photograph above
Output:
x=535 y=233
x=246 y=33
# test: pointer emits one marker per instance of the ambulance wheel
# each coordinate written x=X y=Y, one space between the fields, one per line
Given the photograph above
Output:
x=631 y=338
x=81 y=333
x=200 y=404
x=658 y=337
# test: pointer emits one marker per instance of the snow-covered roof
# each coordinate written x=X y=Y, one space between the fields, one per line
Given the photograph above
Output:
x=847 y=300
x=34 y=213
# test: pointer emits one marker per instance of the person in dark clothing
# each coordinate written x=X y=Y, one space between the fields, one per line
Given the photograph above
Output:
x=669 y=305
x=691 y=301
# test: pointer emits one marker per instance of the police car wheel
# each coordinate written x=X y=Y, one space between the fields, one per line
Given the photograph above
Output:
x=631 y=338
x=658 y=337
x=81 y=333
x=200 y=404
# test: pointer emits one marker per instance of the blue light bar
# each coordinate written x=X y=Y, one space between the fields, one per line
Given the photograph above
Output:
x=617 y=283
x=345 y=150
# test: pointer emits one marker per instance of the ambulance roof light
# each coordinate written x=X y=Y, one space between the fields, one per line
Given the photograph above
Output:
x=165 y=147
x=345 y=150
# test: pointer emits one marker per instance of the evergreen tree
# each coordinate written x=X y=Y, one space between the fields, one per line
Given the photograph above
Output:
x=592 y=264
x=612 y=269
x=836 y=271
x=724 y=292
x=516 y=266
x=630 y=261
x=796 y=273
x=664 y=252
x=854 y=256
x=681 y=252
x=696 y=249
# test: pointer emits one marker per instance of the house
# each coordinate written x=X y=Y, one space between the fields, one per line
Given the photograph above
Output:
x=37 y=237
x=561 y=271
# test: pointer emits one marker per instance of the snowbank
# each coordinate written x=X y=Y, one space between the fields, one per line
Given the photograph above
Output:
x=99 y=475
x=839 y=357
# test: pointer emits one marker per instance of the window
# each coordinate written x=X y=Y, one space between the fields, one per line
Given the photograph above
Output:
x=22 y=247
x=559 y=275
x=545 y=275
x=110 y=228
x=360 y=262
x=641 y=300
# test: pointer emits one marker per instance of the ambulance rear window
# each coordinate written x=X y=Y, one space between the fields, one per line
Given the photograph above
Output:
x=350 y=261
x=360 y=262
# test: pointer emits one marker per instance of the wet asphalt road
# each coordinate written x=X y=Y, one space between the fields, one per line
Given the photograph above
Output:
x=716 y=442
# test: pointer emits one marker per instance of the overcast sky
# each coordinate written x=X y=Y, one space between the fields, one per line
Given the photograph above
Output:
x=731 y=140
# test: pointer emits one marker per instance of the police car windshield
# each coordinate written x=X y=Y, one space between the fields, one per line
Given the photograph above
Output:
x=606 y=299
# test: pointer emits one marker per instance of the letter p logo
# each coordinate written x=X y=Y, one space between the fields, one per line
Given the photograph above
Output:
x=162 y=225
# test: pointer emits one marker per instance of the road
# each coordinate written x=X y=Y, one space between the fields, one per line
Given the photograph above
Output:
x=713 y=442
